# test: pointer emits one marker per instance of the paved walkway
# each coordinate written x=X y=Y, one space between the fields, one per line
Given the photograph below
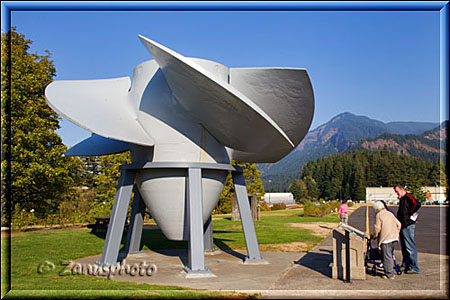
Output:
x=431 y=227
x=290 y=275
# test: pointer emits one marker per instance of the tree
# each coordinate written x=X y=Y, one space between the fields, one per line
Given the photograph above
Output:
x=417 y=192
x=253 y=184
x=33 y=168
x=108 y=173
x=350 y=173
x=299 y=190
x=311 y=187
x=91 y=166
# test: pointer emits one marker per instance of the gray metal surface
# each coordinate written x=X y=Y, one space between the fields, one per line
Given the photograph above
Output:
x=286 y=95
x=136 y=224
x=118 y=216
x=164 y=193
x=196 y=258
x=97 y=145
x=187 y=119
x=177 y=165
x=227 y=113
x=208 y=236
x=98 y=106
x=189 y=109
x=246 y=217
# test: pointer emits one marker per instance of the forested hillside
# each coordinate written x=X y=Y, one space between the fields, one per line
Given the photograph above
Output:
x=428 y=146
x=346 y=175
x=341 y=134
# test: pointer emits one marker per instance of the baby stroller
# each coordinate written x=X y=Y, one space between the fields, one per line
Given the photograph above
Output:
x=375 y=254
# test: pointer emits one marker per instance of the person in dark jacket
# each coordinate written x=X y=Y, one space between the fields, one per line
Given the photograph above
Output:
x=407 y=216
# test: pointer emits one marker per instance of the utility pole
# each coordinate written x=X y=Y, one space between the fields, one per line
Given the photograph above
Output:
x=270 y=186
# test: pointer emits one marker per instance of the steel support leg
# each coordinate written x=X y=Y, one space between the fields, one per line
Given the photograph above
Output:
x=196 y=256
x=208 y=236
x=117 y=221
x=136 y=224
x=246 y=218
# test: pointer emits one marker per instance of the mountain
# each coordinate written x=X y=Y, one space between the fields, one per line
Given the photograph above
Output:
x=338 y=135
x=428 y=146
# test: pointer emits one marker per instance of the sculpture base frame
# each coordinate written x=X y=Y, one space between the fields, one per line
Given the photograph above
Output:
x=188 y=273
x=200 y=236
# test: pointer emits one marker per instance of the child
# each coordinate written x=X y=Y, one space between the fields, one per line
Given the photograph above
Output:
x=343 y=212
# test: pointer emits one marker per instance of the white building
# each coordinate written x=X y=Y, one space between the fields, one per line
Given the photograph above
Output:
x=387 y=194
x=272 y=198
x=434 y=193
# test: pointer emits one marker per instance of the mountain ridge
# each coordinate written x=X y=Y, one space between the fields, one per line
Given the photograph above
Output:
x=343 y=132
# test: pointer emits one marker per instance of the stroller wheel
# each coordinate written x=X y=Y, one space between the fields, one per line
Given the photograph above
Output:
x=399 y=272
x=374 y=271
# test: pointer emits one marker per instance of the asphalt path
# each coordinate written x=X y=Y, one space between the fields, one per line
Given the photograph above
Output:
x=431 y=227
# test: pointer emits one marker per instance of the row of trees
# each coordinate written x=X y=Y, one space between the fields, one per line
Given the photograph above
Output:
x=35 y=176
x=346 y=176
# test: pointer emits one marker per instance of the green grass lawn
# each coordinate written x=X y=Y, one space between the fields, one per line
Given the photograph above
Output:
x=273 y=228
x=29 y=249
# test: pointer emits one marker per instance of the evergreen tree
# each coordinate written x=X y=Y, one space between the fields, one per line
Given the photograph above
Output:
x=311 y=187
x=299 y=190
x=415 y=190
x=349 y=174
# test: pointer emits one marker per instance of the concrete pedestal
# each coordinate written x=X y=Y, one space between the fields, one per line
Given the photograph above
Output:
x=357 y=254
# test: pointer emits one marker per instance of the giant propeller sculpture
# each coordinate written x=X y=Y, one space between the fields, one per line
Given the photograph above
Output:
x=184 y=120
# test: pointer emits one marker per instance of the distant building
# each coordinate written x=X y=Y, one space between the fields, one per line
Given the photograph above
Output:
x=434 y=193
x=387 y=194
x=272 y=198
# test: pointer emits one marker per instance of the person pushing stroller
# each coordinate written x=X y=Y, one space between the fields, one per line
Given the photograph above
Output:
x=387 y=230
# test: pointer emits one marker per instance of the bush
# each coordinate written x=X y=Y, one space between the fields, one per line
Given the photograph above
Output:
x=311 y=210
x=319 y=210
x=264 y=206
x=22 y=218
x=278 y=206
x=77 y=207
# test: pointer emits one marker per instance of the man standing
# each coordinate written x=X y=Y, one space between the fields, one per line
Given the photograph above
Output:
x=405 y=214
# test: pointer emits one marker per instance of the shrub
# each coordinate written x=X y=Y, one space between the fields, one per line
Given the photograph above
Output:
x=278 y=206
x=264 y=206
x=22 y=218
x=311 y=210
x=77 y=208
x=319 y=210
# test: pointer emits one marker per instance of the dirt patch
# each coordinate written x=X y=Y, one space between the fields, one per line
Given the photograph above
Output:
x=278 y=215
x=321 y=229
x=287 y=247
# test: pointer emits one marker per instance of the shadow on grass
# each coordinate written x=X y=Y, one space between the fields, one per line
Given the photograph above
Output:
x=319 y=262
x=224 y=247
x=154 y=240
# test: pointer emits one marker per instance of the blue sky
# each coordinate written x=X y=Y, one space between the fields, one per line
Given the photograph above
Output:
x=384 y=65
